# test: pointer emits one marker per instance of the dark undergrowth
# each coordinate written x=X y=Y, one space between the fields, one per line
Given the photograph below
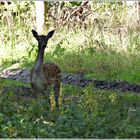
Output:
x=84 y=113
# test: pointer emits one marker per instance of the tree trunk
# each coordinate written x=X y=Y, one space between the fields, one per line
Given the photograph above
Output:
x=41 y=16
x=138 y=10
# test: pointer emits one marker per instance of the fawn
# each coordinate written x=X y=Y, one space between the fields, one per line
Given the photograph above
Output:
x=43 y=76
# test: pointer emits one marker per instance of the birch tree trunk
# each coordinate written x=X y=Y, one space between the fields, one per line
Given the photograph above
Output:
x=41 y=16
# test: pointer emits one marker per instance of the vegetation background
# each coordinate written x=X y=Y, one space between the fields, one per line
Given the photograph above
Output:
x=100 y=40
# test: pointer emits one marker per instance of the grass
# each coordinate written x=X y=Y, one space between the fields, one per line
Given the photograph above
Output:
x=96 y=58
x=84 y=113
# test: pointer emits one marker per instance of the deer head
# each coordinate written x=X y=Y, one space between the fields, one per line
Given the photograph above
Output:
x=42 y=39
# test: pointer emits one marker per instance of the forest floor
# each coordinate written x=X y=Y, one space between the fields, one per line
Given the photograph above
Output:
x=23 y=75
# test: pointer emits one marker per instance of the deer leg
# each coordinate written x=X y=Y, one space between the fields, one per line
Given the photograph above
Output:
x=35 y=93
x=47 y=95
x=56 y=92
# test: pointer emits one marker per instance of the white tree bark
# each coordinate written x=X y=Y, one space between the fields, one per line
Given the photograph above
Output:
x=41 y=14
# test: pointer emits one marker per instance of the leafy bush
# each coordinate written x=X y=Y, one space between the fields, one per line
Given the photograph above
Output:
x=84 y=113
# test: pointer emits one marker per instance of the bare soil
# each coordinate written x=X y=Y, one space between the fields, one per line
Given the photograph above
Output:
x=73 y=79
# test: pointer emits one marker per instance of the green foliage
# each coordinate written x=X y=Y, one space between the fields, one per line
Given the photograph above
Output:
x=59 y=51
x=84 y=113
x=102 y=50
x=72 y=4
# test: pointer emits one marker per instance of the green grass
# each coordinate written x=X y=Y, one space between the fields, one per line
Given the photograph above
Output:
x=84 y=113
x=96 y=58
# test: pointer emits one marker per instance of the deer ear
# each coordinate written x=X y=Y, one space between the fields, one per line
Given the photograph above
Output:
x=35 y=34
x=50 y=34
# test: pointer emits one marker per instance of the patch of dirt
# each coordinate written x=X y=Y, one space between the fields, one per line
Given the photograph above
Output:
x=74 y=79
x=16 y=74
x=102 y=84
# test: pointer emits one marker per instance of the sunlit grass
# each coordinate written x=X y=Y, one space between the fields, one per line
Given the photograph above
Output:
x=107 y=49
x=95 y=58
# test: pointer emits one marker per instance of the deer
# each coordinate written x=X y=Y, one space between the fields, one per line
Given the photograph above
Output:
x=44 y=76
